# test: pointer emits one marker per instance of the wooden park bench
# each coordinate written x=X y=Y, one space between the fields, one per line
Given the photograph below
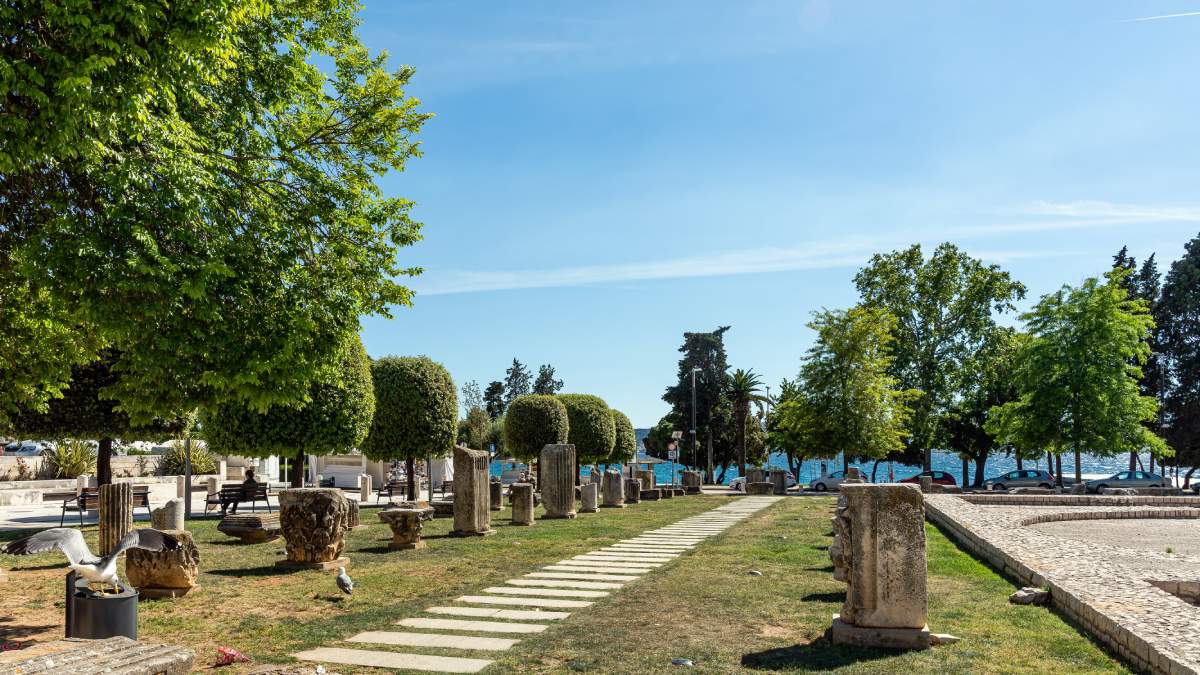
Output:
x=392 y=489
x=236 y=495
x=89 y=500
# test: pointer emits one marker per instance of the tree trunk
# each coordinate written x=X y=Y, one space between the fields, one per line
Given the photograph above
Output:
x=410 y=468
x=1058 y=470
x=1139 y=464
x=980 y=468
x=966 y=473
x=721 y=475
x=874 y=468
x=1050 y=464
x=1078 y=469
x=1187 y=477
x=1019 y=467
x=928 y=459
x=297 y=471
x=104 y=462
x=741 y=440
x=1152 y=462
x=1133 y=460
x=845 y=462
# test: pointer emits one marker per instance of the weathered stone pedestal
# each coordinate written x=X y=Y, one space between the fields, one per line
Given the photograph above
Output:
x=926 y=483
x=755 y=476
x=365 y=490
x=116 y=514
x=558 y=481
x=613 y=488
x=691 y=482
x=651 y=495
x=164 y=574
x=589 y=495
x=169 y=516
x=647 y=478
x=633 y=490
x=352 y=521
x=314 y=523
x=90 y=657
x=879 y=551
x=778 y=480
x=762 y=488
x=496 y=493
x=472 y=494
x=406 y=527
x=665 y=492
x=522 y=503
x=251 y=528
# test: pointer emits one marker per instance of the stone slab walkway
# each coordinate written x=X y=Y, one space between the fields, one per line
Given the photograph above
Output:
x=573 y=584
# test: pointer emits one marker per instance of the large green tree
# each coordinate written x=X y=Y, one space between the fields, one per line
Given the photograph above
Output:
x=943 y=308
x=195 y=185
x=86 y=411
x=625 y=441
x=416 y=408
x=744 y=387
x=1178 y=314
x=546 y=382
x=848 y=400
x=592 y=430
x=517 y=382
x=1078 y=377
x=334 y=419
x=713 y=412
x=532 y=422
x=1143 y=283
x=493 y=399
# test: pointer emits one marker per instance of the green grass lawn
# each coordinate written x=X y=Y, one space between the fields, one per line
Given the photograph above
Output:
x=705 y=606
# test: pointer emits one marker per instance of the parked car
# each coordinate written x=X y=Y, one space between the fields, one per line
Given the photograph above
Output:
x=939 y=477
x=829 y=481
x=1127 y=479
x=1020 y=478
x=739 y=484
x=25 y=448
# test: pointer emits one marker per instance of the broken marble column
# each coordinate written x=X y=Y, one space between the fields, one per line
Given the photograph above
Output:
x=405 y=524
x=588 y=496
x=181 y=486
x=496 y=494
x=116 y=514
x=854 y=475
x=558 y=480
x=472 y=497
x=521 y=495
x=352 y=522
x=614 y=490
x=778 y=479
x=169 y=516
x=164 y=574
x=633 y=490
x=648 y=480
x=691 y=482
x=364 y=488
x=926 y=483
x=879 y=551
x=313 y=522
x=754 y=475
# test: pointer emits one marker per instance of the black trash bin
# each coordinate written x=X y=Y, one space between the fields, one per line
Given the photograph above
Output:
x=94 y=615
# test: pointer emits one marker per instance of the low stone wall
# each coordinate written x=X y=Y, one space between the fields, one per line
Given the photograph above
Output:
x=35 y=492
x=1122 y=514
x=122 y=466
x=1121 y=596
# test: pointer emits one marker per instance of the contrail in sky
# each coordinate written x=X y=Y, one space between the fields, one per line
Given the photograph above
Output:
x=1163 y=16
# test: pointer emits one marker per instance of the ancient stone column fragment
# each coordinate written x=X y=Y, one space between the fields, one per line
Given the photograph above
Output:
x=589 y=495
x=522 y=503
x=558 y=480
x=116 y=514
x=314 y=523
x=472 y=494
x=614 y=490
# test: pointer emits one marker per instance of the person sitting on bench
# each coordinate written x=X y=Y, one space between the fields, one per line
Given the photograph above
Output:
x=249 y=486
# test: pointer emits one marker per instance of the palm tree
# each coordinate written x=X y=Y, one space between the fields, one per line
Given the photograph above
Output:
x=743 y=389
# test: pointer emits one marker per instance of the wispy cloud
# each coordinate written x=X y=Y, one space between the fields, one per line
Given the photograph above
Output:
x=1127 y=212
x=1161 y=16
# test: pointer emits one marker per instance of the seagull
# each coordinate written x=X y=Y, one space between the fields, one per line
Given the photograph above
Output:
x=344 y=581
x=97 y=570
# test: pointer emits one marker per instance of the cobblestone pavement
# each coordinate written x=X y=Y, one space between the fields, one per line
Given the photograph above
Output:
x=1181 y=536
x=1105 y=587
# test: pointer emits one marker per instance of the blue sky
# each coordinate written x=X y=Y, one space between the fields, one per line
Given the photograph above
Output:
x=602 y=176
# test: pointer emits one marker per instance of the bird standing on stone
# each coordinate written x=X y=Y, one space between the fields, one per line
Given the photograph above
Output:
x=344 y=581
x=96 y=569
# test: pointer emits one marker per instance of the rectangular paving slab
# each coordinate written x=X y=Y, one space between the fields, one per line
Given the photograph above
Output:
x=590 y=558
x=586 y=567
x=528 y=602
x=582 y=577
x=494 y=613
x=604 y=562
x=466 y=624
x=544 y=592
x=360 y=657
x=564 y=583
x=469 y=642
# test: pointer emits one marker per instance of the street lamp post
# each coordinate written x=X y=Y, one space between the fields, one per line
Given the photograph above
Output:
x=695 y=448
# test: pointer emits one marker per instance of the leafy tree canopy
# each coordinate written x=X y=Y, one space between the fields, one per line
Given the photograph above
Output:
x=625 y=445
x=472 y=397
x=546 y=383
x=532 y=422
x=1178 y=312
x=943 y=309
x=416 y=409
x=590 y=427
x=705 y=351
x=194 y=184
x=335 y=419
x=493 y=400
x=516 y=382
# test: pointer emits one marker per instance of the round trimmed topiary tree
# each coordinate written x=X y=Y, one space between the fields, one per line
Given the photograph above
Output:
x=416 y=412
x=625 y=447
x=532 y=422
x=591 y=429
x=335 y=419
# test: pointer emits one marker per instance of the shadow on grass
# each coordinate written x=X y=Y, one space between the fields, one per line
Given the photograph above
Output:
x=10 y=632
x=826 y=568
x=836 y=596
x=819 y=654
x=263 y=571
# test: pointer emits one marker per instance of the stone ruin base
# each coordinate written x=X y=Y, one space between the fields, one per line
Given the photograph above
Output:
x=323 y=566
x=251 y=528
x=842 y=633
x=89 y=657
x=651 y=495
x=759 y=488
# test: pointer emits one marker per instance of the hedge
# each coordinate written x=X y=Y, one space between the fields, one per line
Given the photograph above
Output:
x=416 y=409
x=625 y=448
x=532 y=422
x=591 y=428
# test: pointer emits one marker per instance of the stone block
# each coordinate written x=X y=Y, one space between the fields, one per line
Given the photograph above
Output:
x=926 y=483
x=879 y=551
x=522 y=503
x=352 y=521
x=365 y=488
x=759 y=488
x=778 y=480
x=614 y=490
x=110 y=655
x=691 y=482
x=164 y=574
x=252 y=528
x=665 y=492
x=588 y=497
x=472 y=496
x=648 y=480
x=842 y=633
x=558 y=480
x=755 y=475
x=633 y=490
x=495 y=495
x=405 y=524
x=169 y=516
x=651 y=495
x=313 y=522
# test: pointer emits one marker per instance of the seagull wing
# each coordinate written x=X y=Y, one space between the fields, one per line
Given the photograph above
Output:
x=345 y=583
x=147 y=538
x=68 y=540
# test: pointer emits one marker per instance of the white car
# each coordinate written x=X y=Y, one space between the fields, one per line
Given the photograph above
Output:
x=25 y=448
x=739 y=484
x=830 y=481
